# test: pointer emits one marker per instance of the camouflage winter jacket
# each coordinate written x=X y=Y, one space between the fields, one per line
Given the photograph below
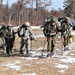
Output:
x=8 y=33
x=67 y=28
x=27 y=33
x=50 y=30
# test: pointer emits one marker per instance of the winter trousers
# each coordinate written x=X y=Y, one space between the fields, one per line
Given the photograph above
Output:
x=51 y=43
x=66 y=40
x=25 y=44
x=9 y=45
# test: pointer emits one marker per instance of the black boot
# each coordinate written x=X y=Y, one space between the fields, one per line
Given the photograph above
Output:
x=21 y=52
x=50 y=54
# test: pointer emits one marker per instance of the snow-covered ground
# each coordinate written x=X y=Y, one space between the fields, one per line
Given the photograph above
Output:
x=73 y=32
x=64 y=59
x=33 y=27
x=13 y=65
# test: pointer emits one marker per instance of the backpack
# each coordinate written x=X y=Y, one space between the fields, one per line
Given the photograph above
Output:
x=49 y=30
x=21 y=31
x=63 y=29
x=18 y=31
x=48 y=27
x=63 y=26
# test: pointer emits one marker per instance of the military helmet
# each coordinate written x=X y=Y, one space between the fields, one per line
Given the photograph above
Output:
x=67 y=18
x=27 y=23
x=53 y=18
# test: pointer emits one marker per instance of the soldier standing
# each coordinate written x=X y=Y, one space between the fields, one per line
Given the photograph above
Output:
x=50 y=30
x=9 y=38
x=26 y=34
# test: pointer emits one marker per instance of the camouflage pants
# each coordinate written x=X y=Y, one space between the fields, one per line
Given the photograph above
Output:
x=4 y=44
x=66 y=39
x=51 y=43
x=9 y=45
x=25 y=43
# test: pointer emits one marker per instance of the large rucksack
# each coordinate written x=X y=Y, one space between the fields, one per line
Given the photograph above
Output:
x=46 y=29
x=47 y=25
x=63 y=26
x=49 y=30
x=21 y=30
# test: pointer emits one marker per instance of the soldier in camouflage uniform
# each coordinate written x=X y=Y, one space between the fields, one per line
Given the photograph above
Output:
x=2 y=29
x=26 y=35
x=66 y=25
x=9 y=38
x=50 y=30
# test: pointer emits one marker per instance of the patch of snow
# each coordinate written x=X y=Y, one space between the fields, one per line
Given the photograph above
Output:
x=31 y=58
x=73 y=32
x=68 y=60
x=37 y=52
x=56 y=56
x=62 y=66
x=22 y=57
x=32 y=51
x=60 y=53
x=13 y=65
x=37 y=36
x=66 y=53
x=16 y=27
x=61 y=71
x=35 y=27
x=17 y=62
x=72 y=45
x=30 y=74
x=39 y=49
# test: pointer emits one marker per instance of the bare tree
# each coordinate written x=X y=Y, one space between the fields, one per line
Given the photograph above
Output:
x=1 y=2
x=34 y=11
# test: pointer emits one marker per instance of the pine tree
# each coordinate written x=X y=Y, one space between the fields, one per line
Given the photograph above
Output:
x=69 y=8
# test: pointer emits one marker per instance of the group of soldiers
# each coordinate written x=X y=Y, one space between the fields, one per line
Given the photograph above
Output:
x=7 y=34
x=51 y=27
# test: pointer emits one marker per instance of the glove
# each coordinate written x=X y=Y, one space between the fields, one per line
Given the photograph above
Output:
x=31 y=38
x=47 y=34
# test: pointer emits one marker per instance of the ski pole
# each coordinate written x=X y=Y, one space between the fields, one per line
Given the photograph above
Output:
x=43 y=45
x=31 y=44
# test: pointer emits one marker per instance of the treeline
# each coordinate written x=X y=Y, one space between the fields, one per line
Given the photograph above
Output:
x=69 y=8
x=34 y=11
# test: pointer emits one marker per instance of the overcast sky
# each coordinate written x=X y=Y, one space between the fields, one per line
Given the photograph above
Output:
x=55 y=3
x=9 y=1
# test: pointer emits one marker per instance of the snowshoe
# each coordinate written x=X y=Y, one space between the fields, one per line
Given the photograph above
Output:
x=21 y=52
